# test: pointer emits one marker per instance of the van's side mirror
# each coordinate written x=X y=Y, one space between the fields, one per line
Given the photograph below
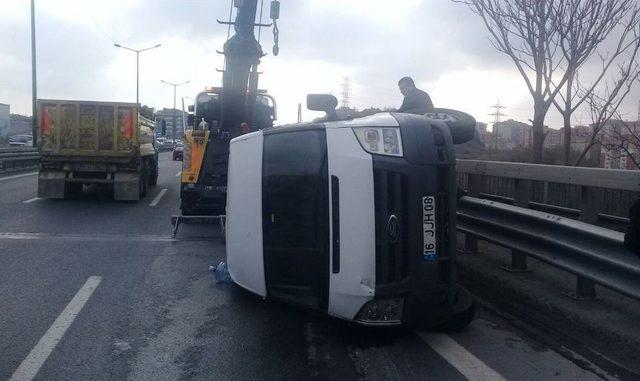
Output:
x=190 y=108
x=323 y=102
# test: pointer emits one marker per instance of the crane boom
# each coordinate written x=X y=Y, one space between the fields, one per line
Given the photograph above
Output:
x=242 y=54
x=227 y=112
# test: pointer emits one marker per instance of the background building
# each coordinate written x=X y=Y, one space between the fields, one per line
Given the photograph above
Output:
x=619 y=142
x=166 y=114
x=511 y=134
x=20 y=125
x=553 y=137
x=4 y=123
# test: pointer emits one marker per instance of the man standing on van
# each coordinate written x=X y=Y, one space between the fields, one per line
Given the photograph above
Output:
x=415 y=100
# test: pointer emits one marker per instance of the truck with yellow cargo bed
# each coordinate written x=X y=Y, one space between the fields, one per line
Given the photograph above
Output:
x=86 y=142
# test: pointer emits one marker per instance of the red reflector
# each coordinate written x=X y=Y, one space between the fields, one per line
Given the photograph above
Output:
x=128 y=126
x=47 y=123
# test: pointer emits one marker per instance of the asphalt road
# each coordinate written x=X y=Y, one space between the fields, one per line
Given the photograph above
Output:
x=92 y=289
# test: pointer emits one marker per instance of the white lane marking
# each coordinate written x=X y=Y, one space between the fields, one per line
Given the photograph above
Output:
x=464 y=361
x=158 y=197
x=29 y=201
x=18 y=176
x=30 y=366
x=178 y=174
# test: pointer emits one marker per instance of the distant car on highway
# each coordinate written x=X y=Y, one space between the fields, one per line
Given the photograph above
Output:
x=161 y=140
x=21 y=141
x=178 y=152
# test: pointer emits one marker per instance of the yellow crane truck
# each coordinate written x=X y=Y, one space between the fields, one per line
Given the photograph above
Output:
x=85 y=142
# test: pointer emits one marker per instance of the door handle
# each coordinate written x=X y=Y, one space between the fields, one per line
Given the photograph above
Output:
x=335 y=223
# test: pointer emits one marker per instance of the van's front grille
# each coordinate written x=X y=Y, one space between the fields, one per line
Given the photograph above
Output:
x=391 y=211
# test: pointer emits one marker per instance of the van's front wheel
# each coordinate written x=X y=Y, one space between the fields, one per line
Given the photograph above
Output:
x=459 y=321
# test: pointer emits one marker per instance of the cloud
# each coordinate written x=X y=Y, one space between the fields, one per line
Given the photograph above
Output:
x=442 y=44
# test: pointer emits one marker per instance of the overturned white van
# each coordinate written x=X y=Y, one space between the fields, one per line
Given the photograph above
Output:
x=352 y=218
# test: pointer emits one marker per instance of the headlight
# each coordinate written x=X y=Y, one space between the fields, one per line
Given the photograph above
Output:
x=381 y=312
x=380 y=140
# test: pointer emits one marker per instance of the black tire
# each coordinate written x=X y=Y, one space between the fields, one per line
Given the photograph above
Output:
x=153 y=179
x=462 y=130
x=459 y=321
x=72 y=190
x=144 y=181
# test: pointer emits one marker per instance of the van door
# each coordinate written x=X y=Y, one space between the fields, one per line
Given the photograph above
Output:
x=295 y=216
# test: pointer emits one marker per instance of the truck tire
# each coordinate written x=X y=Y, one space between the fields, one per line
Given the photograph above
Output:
x=153 y=178
x=72 y=190
x=144 y=180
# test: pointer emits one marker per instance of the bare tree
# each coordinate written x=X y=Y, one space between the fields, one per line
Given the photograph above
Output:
x=586 y=24
x=528 y=31
x=606 y=106
x=623 y=137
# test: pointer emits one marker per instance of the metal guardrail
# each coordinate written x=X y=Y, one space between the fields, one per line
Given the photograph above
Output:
x=18 y=158
x=588 y=177
x=561 y=210
x=591 y=252
x=594 y=254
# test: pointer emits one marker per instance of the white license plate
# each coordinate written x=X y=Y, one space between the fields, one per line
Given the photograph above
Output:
x=92 y=167
x=429 y=228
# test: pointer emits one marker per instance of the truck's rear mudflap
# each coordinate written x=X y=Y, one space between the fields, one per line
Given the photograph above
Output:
x=51 y=184
x=126 y=186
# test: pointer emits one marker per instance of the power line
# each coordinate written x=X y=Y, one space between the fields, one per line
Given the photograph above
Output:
x=102 y=30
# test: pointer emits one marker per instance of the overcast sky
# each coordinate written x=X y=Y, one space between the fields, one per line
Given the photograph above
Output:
x=441 y=44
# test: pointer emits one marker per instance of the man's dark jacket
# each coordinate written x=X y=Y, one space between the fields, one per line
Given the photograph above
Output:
x=416 y=102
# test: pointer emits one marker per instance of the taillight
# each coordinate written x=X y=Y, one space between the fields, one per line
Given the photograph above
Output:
x=128 y=126
x=47 y=122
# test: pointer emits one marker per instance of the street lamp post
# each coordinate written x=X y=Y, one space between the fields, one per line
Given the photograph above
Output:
x=34 y=88
x=175 y=85
x=184 y=118
x=137 y=51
